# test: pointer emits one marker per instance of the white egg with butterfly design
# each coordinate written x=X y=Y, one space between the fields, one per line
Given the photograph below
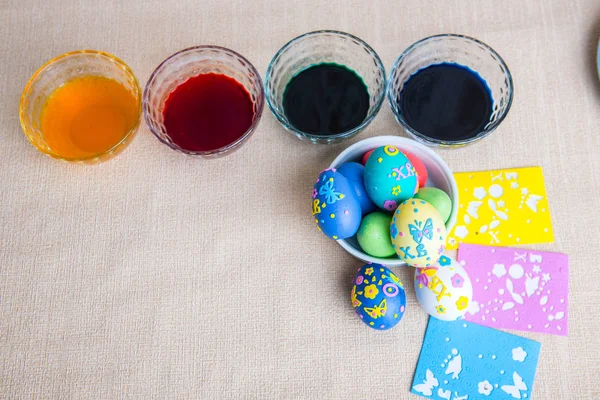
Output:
x=444 y=290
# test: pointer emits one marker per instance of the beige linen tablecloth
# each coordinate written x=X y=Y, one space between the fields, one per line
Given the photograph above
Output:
x=157 y=275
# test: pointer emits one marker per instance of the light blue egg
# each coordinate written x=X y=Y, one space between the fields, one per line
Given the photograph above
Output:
x=390 y=178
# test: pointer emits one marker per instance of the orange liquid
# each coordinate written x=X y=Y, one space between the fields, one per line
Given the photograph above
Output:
x=87 y=116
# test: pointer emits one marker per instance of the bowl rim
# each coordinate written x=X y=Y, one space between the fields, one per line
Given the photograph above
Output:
x=330 y=138
x=398 y=141
x=130 y=133
x=449 y=143
x=228 y=147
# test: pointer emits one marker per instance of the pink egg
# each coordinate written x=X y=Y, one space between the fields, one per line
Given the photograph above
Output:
x=366 y=156
x=419 y=167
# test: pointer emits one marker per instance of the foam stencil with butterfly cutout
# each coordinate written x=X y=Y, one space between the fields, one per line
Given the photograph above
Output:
x=460 y=361
x=502 y=208
x=518 y=289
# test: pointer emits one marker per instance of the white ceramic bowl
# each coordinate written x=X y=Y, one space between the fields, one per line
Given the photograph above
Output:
x=439 y=176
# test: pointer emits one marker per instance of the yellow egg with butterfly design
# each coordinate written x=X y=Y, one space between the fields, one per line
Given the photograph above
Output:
x=418 y=233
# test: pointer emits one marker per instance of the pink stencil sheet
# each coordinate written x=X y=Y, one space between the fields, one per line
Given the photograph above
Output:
x=517 y=289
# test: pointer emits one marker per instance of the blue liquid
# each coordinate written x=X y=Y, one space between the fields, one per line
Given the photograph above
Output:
x=447 y=102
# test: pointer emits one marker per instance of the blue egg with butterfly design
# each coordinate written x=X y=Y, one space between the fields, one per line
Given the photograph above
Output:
x=378 y=297
x=335 y=206
x=418 y=233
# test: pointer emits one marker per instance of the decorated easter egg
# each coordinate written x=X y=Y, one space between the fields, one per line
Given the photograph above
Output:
x=374 y=235
x=366 y=156
x=419 y=167
x=418 y=233
x=335 y=206
x=354 y=172
x=444 y=290
x=390 y=177
x=378 y=297
x=437 y=198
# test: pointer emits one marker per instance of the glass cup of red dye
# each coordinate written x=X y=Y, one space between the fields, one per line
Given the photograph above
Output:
x=204 y=100
x=325 y=86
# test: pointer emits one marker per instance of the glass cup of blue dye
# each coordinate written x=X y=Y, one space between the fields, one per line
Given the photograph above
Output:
x=335 y=50
x=449 y=90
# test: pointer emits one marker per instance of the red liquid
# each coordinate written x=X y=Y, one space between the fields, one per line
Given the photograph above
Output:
x=207 y=112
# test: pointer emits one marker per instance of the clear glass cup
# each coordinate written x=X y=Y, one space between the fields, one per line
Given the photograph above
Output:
x=191 y=62
x=456 y=49
x=325 y=47
x=56 y=73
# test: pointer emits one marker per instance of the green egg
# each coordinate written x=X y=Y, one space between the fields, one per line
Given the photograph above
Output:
x=437 y=198
x=374 y=235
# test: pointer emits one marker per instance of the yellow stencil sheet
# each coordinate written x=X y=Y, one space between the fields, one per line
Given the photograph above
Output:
x=502 y=208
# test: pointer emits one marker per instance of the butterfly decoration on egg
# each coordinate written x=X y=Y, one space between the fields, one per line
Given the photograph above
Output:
x=327 y=190
x=418 y=233
x=424 y=274
x=377 y=311
x=335 y=207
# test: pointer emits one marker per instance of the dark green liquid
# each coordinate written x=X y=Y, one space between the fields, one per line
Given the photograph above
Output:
x=326 y=99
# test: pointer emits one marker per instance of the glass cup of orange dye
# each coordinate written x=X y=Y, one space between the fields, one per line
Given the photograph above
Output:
x=83 y=106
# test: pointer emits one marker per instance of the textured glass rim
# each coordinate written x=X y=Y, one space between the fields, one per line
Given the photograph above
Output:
x=598 y=59
x=260 y=102
x=439 y=142
x=41 y=69
x=342 y=135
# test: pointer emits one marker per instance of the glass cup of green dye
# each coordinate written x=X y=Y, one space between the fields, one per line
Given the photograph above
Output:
x=449 y=90
x=325 y=86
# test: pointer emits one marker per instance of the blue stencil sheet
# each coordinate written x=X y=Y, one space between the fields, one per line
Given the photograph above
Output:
x=464 y=361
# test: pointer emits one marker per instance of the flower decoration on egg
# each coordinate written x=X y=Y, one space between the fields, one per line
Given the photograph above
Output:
x=457 y=281
x=444 y=261
x=462 y=303
x=390 y=205
x=441 y=309
x=396 y=190
x=369 y=271
x=371 y=291
x=393 y=231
